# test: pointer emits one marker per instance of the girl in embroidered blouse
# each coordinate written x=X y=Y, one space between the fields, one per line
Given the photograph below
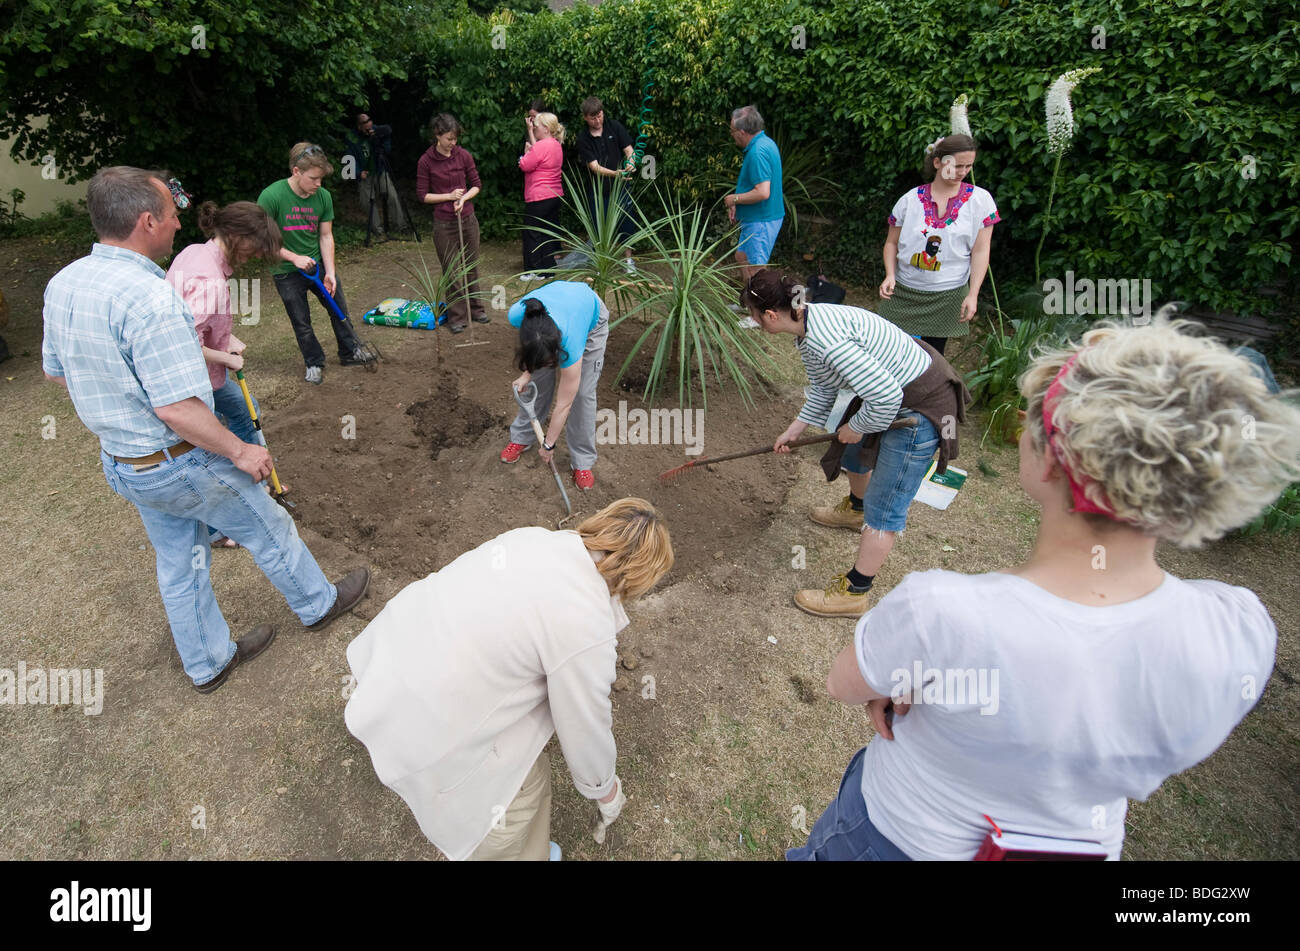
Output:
x=937 y=251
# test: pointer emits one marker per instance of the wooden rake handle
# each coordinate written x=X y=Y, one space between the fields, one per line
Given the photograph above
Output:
x=901 y=423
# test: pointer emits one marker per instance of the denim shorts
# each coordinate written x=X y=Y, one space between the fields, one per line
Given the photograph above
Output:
x=845 y=833
x=757 y=238
x=901 y=465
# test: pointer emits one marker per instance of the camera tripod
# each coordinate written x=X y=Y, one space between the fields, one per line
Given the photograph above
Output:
x=379 y=190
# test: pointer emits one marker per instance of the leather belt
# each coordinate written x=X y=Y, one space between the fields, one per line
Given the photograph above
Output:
x=153 y=458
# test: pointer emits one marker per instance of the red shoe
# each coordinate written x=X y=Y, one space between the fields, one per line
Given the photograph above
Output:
x=511 y=452
x=584 y=478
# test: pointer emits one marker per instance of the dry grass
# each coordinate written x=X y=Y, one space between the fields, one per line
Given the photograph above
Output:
x=739 y=736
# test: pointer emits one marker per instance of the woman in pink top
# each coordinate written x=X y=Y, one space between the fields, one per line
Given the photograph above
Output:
x=200 y=273
x=541 y=162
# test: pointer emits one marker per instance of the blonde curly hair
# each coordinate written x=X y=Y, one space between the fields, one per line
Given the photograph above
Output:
x=1172 y=432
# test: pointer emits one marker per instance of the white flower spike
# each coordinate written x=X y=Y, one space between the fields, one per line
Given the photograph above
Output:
x=957 y=116
x=1060 y=113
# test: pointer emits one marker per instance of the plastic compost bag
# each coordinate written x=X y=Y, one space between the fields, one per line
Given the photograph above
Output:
x=398 y=312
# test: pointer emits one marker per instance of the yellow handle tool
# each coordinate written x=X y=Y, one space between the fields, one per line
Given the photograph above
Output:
x=257 y=424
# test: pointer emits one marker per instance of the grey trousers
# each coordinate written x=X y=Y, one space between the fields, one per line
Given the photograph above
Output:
x=580 y=429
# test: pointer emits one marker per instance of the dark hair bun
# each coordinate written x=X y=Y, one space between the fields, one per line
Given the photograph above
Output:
x=208 y=218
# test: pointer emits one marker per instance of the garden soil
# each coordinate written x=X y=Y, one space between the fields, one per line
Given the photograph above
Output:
x=728 y=743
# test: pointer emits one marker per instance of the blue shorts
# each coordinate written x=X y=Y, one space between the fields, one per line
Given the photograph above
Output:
x=844 y=833
x=757 y=238
x=904 y=458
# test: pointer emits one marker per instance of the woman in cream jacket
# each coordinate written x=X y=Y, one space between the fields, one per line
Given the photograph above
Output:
x=465 y=675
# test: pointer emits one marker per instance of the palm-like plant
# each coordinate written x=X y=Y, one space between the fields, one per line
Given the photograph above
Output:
x=450 y=282
x=802 y=183
x=596 y=243
x=691 y=329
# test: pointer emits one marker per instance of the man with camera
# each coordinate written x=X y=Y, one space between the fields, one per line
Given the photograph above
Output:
x=370 y=152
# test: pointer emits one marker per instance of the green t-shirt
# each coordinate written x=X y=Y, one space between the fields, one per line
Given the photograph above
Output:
x=299 y=219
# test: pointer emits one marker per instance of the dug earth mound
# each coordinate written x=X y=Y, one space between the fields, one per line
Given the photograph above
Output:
x=402 y=465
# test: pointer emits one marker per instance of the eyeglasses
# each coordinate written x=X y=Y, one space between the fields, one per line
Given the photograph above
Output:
x=180 y=196
x=309 y=150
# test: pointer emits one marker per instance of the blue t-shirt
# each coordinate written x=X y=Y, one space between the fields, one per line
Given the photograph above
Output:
x=762 y=164
x=573 y=306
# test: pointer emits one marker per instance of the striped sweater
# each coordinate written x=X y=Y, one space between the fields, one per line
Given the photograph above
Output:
x=851 y=348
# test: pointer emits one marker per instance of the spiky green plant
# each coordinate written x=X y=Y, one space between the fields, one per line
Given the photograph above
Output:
x=597 y=236
x=1006 y=355
x=691 y=331
x=450 y=282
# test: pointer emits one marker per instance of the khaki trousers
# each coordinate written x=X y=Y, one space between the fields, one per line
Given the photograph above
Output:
x=524 y=832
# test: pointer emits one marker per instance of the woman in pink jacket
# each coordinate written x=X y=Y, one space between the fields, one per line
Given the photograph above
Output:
x=541 y=163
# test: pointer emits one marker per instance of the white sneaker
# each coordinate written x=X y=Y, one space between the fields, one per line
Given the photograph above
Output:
x=555 y=852
x=629 y=265
x=529 y=278
x=749 y=323
x=314 y=375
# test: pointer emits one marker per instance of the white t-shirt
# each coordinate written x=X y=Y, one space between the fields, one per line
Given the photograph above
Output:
x=934 y=244
x=1052 y=713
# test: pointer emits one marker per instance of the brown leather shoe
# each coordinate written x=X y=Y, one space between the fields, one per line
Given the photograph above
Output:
x=838 y=516
x=351 y=590
x=246 y=648
x=837 y=600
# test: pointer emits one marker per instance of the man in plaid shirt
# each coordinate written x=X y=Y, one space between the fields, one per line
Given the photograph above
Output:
x=122 y=341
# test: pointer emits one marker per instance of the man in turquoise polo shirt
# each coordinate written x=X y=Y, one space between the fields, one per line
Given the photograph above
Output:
x=757 y=202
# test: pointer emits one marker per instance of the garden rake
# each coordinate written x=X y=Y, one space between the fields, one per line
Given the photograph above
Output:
x=526 y=404
x=369 y=352
x=672 y=474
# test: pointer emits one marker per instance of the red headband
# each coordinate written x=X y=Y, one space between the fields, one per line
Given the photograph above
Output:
x=1080 y=481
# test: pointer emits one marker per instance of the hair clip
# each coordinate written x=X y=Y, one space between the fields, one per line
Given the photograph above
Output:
x=929 y=149
x=179 y=194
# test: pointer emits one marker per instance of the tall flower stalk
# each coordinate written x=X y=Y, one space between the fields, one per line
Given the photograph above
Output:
x=959 y=124
x=1060 y=132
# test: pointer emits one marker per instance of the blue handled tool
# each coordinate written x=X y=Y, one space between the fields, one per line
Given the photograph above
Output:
x=368 y=352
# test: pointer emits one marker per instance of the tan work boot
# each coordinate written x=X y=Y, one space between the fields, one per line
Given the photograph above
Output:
x=835 y=601
x=838 y=516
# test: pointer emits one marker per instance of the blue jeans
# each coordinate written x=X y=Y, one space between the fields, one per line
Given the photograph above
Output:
x=904 y=458
x=844 y=833
x=177 y=500
x=229 y=406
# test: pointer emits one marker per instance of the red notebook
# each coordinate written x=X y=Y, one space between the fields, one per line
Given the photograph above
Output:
x=1000 y=846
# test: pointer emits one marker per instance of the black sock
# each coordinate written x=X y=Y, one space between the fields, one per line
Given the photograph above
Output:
x=855 y=502
x=858 y=582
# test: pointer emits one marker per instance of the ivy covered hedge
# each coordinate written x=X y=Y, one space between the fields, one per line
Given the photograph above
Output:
x=1185 y=150
x=1182 y=170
